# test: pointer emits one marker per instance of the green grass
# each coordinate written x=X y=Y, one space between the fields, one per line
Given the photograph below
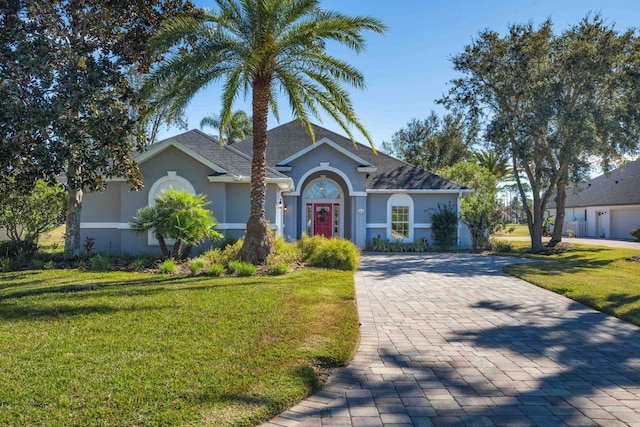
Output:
x=519 y=230
x=597 y=276
x=122 y=349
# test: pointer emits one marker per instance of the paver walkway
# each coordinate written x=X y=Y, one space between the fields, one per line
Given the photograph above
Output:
x=448 y=339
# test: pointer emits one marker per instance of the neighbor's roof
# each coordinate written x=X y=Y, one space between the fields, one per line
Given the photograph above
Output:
x=621 y=187
x=225 y=157
x=288 y=139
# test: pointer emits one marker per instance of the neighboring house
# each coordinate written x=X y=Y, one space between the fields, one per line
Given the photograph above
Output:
x=334 y=188
x=606 y=206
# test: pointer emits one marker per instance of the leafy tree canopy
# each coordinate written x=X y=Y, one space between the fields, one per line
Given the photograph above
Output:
x=480 y=211
x=68 y=106
x=26 y=216
x=432 y=143
x=552 y=102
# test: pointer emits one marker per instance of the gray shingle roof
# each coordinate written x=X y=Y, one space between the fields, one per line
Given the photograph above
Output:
x=224 y=156
x=289 y=138
x=621 y=187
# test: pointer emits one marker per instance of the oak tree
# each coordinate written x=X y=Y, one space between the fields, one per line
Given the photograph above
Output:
x=553 y=102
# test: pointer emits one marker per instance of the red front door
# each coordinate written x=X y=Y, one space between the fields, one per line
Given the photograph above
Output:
x=323 y=219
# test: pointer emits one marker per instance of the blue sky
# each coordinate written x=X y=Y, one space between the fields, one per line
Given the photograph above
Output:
x=409 y=67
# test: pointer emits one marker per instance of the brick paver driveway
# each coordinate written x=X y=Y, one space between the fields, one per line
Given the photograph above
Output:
x=448 y=339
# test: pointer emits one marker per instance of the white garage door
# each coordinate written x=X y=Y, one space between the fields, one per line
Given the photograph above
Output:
x=623 y=221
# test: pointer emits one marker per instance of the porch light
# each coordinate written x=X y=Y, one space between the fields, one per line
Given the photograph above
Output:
x=286 y=208
x=280 y=204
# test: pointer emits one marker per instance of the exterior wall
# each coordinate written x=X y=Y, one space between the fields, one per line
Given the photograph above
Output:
x=336 y=166
x=614 y=222
x=105 y=216
x=424 y=205
x=336 y=160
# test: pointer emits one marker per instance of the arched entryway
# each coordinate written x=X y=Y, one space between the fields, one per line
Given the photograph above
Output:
x=323 y=208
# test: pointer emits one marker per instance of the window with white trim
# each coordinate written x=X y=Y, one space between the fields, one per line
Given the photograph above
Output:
x=400 y=217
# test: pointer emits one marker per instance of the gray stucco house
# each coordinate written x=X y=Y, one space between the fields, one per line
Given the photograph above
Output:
x=334 y=188
x=607 y=206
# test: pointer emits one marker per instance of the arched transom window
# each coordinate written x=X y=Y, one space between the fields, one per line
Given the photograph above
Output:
x=322 y=189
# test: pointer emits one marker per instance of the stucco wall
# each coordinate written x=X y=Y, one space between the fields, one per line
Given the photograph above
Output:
x=424 y=206
x=326 y=154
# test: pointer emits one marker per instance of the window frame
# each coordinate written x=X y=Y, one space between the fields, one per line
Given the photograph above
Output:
x=400 y=200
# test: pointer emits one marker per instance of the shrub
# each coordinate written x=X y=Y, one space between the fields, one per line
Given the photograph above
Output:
x=338 y=254
x=398 y=246
x=216 y=270
x=284 y=253
x=13 y=248
x=99 y=263
x=242 y=269
x=444 y=224
x=196 y=265
x=38 y=264
x=5 y=264
x=177 y=215
x=500 y=246
x=168 y=266
x=636 y=233
x=308 y=245
x=49 y=265
x=279 y=269
x=381 y=245
x=419 y=245
x=224 y=256
x=137 y=264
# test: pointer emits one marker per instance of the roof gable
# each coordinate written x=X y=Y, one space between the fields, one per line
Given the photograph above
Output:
x=163 y=145
x=620 y=187
x=286 y=141
x=330 y=143
x=223 y=160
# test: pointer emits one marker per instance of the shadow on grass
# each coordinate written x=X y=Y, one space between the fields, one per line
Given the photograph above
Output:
x=40 y=313
x=79 y=288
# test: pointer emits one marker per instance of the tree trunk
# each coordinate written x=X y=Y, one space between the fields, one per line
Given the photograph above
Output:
x=163 y=245
x=257 y=241
x=74 y=208
x=561 y=198
x=176 y=249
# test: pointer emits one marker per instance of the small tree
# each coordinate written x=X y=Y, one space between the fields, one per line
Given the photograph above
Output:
x=480 y=211
x=177 y=215
x=27 y=216
x=444 y=224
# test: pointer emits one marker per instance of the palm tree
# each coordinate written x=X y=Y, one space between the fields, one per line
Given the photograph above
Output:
x=240 y=127
x=496 y=164
x=263 y=48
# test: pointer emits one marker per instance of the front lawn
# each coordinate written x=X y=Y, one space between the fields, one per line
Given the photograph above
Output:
x=514 y=230
x=87 y=348
x=600 y=277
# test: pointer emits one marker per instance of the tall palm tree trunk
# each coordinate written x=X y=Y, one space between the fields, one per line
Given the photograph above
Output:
x=257 y=242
